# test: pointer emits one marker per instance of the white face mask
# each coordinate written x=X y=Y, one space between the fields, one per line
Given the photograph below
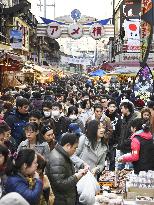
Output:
x=73 y=117
x=55 y=113
x=47 y=114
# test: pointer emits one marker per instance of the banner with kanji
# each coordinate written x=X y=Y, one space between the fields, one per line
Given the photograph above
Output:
x=146 y=29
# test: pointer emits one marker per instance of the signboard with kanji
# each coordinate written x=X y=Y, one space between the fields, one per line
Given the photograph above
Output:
x=54 y=30
x=146 y=30
x=97 y=31
x=75 y=31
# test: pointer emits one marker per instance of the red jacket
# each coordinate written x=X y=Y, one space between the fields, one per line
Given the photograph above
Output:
x=135 y=146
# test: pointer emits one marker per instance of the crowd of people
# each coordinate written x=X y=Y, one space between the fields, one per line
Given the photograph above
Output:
x=51 y=135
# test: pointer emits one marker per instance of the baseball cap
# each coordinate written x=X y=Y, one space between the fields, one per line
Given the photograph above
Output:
x=74 y=127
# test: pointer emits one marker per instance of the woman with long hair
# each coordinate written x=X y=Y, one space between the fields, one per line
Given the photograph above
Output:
x=92 y=148
x=22 y=176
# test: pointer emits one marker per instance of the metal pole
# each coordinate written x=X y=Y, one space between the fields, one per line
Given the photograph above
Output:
x=45 y=4
x=54 y=9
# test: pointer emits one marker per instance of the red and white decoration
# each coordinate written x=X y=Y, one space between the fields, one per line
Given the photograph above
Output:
x=54 y=30
x=75 y=31
x=97 y=31
x=132 y=35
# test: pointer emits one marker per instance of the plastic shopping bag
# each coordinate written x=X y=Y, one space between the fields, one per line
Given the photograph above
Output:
x=87 y=187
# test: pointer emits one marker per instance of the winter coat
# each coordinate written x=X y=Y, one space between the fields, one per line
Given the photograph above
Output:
x=41 y=148
x=116 y=123
x=61 y=172
x=19 y=184
x=93 y=157
x=125 y=133
x=142 y=151
x=17 y=122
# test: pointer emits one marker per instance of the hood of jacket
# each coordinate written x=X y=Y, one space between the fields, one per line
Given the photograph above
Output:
x=144 y=135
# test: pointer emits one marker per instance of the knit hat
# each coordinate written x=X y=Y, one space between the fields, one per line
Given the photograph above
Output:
x=45 y=129
x=74 y=127
x=13 y=198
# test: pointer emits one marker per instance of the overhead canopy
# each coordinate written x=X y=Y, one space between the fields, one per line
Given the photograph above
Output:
x=99 y=73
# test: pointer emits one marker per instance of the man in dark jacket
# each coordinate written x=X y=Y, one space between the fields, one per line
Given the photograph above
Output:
x=60 y=122
x=128 y=114
x=61 y=173
x=17 y=119
x=115 y=118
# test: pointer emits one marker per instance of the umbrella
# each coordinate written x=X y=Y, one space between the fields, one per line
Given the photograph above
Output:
x=106 y=67
x=99 y=73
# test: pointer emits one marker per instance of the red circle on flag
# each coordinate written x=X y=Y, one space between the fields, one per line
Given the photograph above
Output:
x=132 y=27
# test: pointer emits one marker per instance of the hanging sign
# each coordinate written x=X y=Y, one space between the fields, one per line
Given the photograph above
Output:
x=146 y=30
x=75 y=31
x=54 y=30
x=97 y=31
x=132 y=35
x=16 y=39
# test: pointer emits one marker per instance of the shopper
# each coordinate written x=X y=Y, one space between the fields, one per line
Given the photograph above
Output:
x=61 y=173
x=142 y=147
x=92 y=148
x=21 y=170
x=17 y=119
x=34 y=140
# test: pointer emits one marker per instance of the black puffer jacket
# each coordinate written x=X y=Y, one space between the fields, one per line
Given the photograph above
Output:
x=125 y=132
x=60 y=171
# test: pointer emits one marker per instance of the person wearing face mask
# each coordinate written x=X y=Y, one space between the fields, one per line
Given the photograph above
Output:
x=73 y=116
x=59 y=121
x=47 y=108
